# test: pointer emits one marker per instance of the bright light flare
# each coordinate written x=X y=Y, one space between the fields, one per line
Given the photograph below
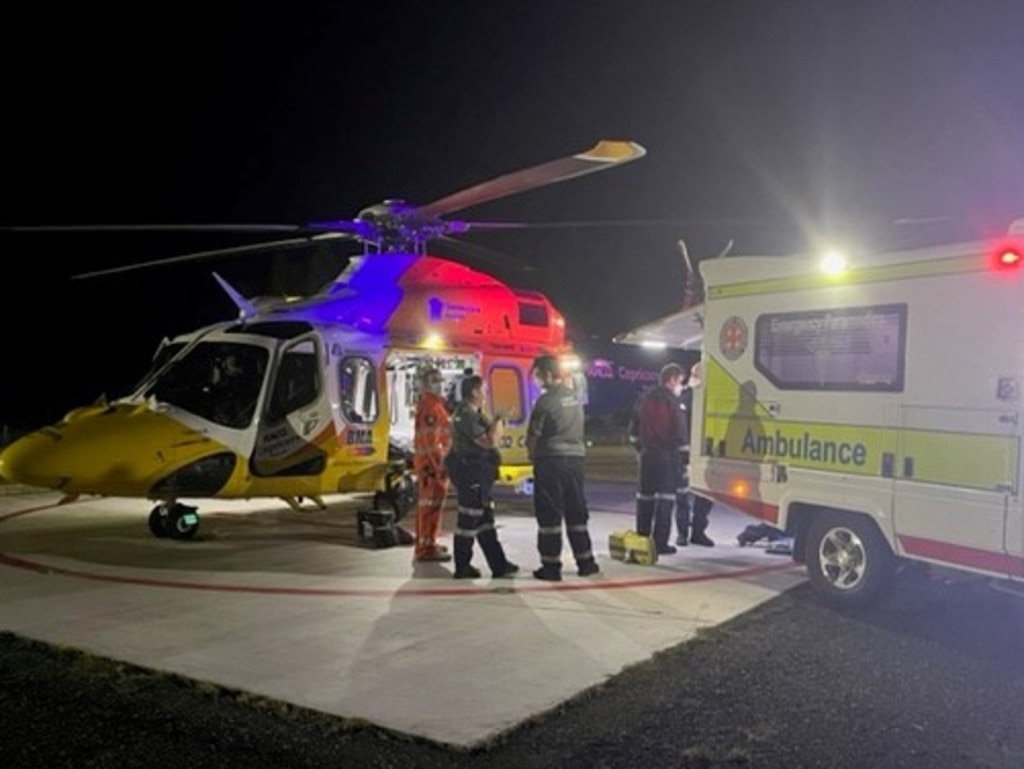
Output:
x=833 y=262
x=433 y=341
x=571 y=363
x=1009 y=255
x=740 y=489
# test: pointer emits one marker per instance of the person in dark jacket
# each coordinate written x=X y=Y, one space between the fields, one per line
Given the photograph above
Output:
x=473 y=463
x=555 y=442
x=660 y=430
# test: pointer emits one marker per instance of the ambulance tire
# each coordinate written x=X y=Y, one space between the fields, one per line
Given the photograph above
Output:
x=848 y=560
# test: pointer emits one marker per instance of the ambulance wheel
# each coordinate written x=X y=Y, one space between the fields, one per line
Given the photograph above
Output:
x=182 y=522
x=158 y=524
x=848 y=559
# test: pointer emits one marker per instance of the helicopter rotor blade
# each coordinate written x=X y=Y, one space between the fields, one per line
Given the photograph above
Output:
x=483 y=254
x=276 y=245
x=85 y=228
x=599 y=224
x=605 y=154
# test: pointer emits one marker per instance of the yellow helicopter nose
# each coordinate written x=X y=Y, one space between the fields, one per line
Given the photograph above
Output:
x=117 y=450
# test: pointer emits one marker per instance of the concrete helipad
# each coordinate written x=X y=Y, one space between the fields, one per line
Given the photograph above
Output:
x=291 y=605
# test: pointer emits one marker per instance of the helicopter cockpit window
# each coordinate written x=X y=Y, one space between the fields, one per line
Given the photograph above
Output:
x=298 y=380
x=164 y=353
x=357 y=385
x=506 y=389
x=218 y=381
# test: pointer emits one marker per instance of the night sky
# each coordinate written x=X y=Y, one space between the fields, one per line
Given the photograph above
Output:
x=772 y=123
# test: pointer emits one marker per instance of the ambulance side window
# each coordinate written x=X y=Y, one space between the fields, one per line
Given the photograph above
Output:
x=845 y=349
x=357 y=385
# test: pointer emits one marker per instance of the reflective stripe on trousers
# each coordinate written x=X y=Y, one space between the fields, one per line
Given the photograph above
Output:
x=559 y=500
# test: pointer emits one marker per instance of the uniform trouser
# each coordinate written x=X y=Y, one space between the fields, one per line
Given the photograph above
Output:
x=691 y=510
x=429 y=504
x=559 y=498
x=659 y=478
x=474 y=479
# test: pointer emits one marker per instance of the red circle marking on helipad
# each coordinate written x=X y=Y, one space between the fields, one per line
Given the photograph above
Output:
x=505 y=586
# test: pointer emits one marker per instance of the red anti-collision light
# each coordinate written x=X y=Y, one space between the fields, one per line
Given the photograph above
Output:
x=1009 y=255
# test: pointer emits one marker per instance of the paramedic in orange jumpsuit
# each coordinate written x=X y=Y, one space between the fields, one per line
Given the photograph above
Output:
x=432 y=440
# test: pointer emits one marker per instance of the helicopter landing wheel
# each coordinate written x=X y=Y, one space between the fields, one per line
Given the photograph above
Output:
x=183 y=522
x=176 y=521
x=158 y=521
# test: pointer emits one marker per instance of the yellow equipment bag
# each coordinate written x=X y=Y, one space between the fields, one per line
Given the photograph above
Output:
x=631 y=547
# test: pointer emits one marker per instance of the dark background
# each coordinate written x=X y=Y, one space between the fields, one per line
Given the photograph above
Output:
x=777 y=125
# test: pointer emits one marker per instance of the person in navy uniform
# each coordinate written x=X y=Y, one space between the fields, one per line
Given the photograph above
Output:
x=473 y=468
x=555 y=443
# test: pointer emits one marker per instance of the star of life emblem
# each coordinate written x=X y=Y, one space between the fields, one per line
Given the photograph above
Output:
x=732 y=338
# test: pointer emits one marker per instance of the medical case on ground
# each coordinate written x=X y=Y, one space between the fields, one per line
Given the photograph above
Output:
x=631 y=547
x=376 y=528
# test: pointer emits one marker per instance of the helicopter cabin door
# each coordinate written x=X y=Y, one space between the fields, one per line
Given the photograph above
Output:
x=403 y=369
x=295 y=432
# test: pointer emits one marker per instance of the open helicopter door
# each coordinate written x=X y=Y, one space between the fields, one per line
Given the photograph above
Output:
x=295 y=435
x=403 y=368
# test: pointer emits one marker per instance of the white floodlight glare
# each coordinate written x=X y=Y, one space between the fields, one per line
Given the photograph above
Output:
x=833 y=262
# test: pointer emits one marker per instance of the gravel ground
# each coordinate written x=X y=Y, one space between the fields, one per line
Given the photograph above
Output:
x=934 y=678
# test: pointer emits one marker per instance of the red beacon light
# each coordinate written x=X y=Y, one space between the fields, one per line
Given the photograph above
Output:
x=1010 y=253
x=1009 y=256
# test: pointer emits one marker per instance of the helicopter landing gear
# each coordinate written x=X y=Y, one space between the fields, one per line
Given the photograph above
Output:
x=174 y=520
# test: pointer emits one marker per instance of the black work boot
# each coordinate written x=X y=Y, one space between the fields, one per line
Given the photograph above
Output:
x=548 y=573
x=702 y=539
x=463 y=547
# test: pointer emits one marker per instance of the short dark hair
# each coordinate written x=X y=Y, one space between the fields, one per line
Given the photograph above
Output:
x=469 y=384
x=671 y=371
x=547 y=364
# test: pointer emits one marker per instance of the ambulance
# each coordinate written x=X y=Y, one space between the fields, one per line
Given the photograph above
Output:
x=872 y=409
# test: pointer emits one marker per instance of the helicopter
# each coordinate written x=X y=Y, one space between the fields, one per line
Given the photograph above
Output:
x=297 y=398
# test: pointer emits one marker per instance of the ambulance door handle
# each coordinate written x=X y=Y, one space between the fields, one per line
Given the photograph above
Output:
x=888 y=464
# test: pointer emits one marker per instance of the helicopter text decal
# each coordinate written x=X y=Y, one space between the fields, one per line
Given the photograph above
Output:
x=442 y=310
x=358 y=441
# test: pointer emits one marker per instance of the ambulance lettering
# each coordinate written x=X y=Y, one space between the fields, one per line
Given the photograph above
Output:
x=804 y=446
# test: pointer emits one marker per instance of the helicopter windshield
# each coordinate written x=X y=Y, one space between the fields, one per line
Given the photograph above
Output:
x=218 y=381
